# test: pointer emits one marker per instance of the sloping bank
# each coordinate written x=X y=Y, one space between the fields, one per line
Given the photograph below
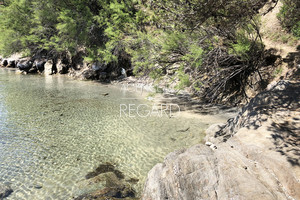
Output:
x=254 y=156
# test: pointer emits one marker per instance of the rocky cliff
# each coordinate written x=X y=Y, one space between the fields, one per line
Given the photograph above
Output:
x=254 y=156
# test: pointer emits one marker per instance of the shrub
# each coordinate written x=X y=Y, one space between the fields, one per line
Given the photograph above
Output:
x=296 y=30
x=289 y=16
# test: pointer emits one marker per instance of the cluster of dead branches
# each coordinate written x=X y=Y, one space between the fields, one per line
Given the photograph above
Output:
x=223 y=74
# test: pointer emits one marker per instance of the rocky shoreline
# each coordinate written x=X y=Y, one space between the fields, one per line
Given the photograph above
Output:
x=74 y=66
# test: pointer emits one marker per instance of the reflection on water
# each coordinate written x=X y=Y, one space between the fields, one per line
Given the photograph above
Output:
x=54 y=130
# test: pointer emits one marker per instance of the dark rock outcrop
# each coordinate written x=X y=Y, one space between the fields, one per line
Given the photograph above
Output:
x=4 y=63
x=40 y=65
x=254 y=156
x=25 y=65
x=11 y=64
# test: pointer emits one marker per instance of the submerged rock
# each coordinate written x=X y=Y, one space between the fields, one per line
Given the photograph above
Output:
x=105 y=94
x=104 y=168
x=257 y=155
x=5 y=191
x=105 y=182
x=132 y=180
x=110 y=193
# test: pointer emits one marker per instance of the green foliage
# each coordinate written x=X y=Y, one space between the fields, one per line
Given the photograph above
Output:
x=117 y=20
x=14 y=27
x=158 y=89
x=197 y=85
x=296 y=30
x=278 y=71
x=246 y=41
x=184 y=79
x=68 y=25
x=195 y=56
x=289 y=16
x=156 y=73
x=242 y=47
x=155 y=52
x=192 y=14
x=144 y=48
x=174 y=42
x=196 y=35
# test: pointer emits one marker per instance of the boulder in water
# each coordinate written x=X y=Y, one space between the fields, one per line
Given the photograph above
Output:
x=4 y=63
x=25 y=65
x=40 y=65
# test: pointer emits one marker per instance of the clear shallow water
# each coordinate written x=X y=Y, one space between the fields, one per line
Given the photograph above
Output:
x=54 y=130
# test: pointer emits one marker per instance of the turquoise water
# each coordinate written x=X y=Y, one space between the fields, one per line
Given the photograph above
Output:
x=54 y=130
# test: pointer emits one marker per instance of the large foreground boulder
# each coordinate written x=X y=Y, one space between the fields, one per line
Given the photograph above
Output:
x=254 y=156
x=225 y=173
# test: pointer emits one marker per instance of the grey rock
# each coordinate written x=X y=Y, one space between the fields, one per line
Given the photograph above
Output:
x=225 y=173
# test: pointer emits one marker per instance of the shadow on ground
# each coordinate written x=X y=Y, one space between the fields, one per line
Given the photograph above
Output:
x=186 y=103
x=279 y=111
x=293 y=61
